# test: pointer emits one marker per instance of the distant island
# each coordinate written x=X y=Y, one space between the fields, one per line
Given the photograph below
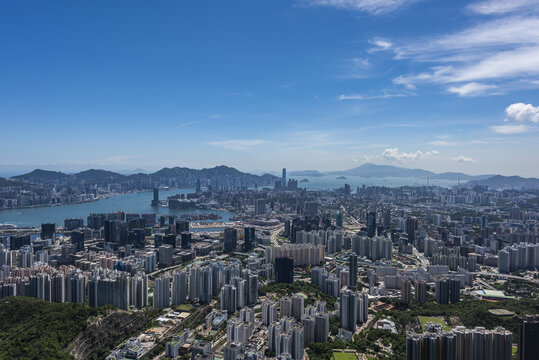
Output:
x=341 y=178
x=304 y=180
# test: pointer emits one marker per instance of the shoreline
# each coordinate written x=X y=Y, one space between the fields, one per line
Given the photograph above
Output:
x=101 y=197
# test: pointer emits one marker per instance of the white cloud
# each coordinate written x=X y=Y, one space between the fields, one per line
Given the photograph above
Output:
x=184 y=124
x=376 y=7
x=383 y=95
x=496 y=7
x=463 y=159
x=394 y=154
x=510 y=129
x=523 y=112
x=471 y=89
x=442 y=143
x=237 y=144
x=379 y=45
x=503 y=51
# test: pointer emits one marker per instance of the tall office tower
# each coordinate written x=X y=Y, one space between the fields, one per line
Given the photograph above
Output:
x=442 y=292
x=283 y=178
x=228 y=298
x=298 y=306
x=48 y=231
x=285 y=304
x=484 y=221
x=420 y=295
x=411 y=229
x=260 y=207
x=249 y=239
x=406 y=291
x=136 y=238
x=528 y=337
x=197 y=187
x=110 y=231
x=161 y=293
x=321 y=326
x=77 y=239
x=193 y=283
x=185 y=240
x=339 y=219
x=454 y=290
x=311 y=208
x=253 y=288
x=205 y=285
x=269 y=312
x=348 y=310
x=371 y=224
x=182 y=226
x=284 y=270
x=352 y=265
x=231 y=240
x=179 y=288
x=155 y=201
x=166 y=255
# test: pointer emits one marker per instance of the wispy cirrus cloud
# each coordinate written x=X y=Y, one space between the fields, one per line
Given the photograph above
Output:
x=493 y=56
x=379 y=44
x=376 y=7
x=472 y=89
x=384 y=95
x=510 y=129
x=237 y=144
x=496 y=7
x=442 y=143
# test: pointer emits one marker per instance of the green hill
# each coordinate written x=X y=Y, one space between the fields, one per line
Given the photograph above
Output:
x=34 y=329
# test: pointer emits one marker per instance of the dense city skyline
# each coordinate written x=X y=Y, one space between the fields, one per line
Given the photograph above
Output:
x=320 y=84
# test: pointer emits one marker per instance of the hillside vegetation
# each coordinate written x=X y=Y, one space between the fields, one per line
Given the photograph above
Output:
x=35 y=329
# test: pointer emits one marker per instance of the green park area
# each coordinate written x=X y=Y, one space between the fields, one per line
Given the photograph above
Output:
x=344 y=356
x=438 y=320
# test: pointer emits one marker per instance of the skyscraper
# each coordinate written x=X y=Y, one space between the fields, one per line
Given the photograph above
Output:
x=420 y=291
x=155 y=201
x=284 y=270
x=231 y=240
x=353 y=270
x=249 y=239
x=411 y=228
x=528 y=337
x=283 y=178
x=77 y=239
x=348 y=310
x=371 y=224
x=406 y=291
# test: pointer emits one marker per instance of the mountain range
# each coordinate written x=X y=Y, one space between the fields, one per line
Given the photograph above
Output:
x=179 y=175
x=382 y=171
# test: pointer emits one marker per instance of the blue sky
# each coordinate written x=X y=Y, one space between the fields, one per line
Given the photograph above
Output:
x=261 y=85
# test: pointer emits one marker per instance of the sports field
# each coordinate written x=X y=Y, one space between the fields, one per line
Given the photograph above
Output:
x=344 y=356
